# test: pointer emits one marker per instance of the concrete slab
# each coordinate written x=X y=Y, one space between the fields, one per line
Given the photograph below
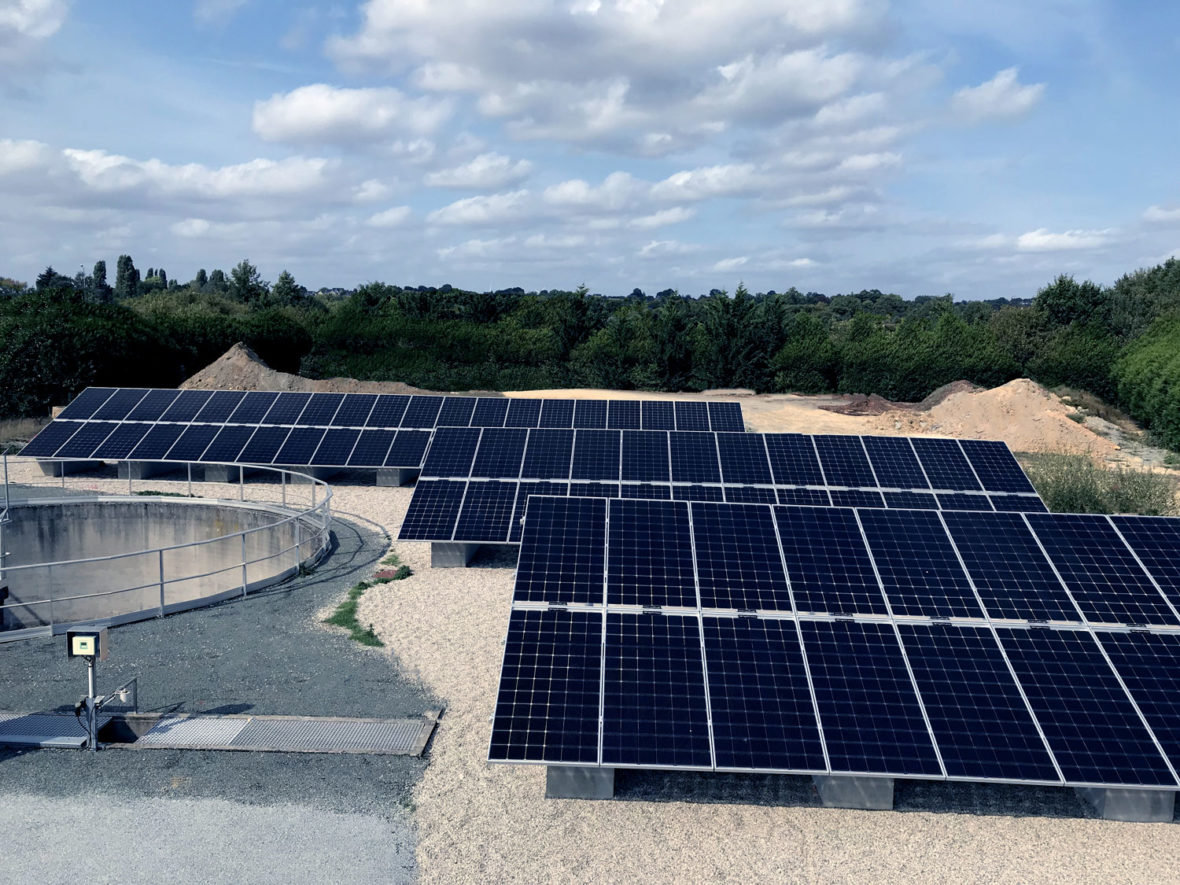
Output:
x=572 y=782
x=845 y=791
x=225 y=472
x=66 y=468
x=1144 y=806
x=448 y=555
x=391 y=477
x=146 y=469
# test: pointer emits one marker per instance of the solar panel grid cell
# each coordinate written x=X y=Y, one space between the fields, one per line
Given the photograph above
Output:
x=336 y=447
x=793 y=459
x=658 y=415
x=527 y=490
x=1018 y=503
x=185 y=406
x=743 y=459
x=894 y=462
x=355 y=410
x=489 y=412
x=692 y=416
x=738 y=559
x=562 y=556
x=827 y=562
x=299 y=446
x=388 y=410
x=1149 y=664
x=434 y=508
x=995 y=465
x=456 y=411
x=856 y=498
x=697 y=493
x=452 y=450
x=750 y=495
x=86 y=439
x=120 y=403
x=844 y=462
x=594 y=489
x=120 y=443
x=952 y=501
x=409 y=446
x=645 y=456
x=694 y=457
x=191 y=444
x=500 y=453
x=596 y=455
x=371 y=448
x=252 y=408
x=590 y=413
x=51 y=438
x=1157 y=544
x=645 y=490
x=320 y=410
x=805 y=497
x=945 y=464
x=153 y=406
x=486 y=512
x=910 y=501
x=287 y=408
x=264 y=445
x=547 y=454
x=650 y=562
x=422 y=411
x=623 y=415
x=726 y=418
x=557 y=413
x=85 y=404
x=523 y=413
x=228 y=444
x=219 y=407
x=157 y=442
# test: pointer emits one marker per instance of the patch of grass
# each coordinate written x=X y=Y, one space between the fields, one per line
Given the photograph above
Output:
x=345 y=616
x=1077 y=417
x=1172 y=460
x=391 y=560
x=164 y=494
x=403 y=572
x=1076 y=484
x=1090 y=404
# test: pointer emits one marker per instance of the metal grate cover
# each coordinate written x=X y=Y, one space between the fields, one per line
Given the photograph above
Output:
x=289 y=734
x=197 y=732
x=43 y=730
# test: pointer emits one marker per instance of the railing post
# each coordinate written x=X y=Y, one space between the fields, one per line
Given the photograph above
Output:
x=241 y=483
x=190 y=479
x=161 y=553
x=7 y=502
x=283 y=475
x=49 y=582
x=243 y=565
x=129 y=492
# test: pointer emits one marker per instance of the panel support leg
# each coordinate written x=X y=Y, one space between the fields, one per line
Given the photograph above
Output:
x=449 y=555
x=568 y=782
x=846 y=791
x=1150 y=806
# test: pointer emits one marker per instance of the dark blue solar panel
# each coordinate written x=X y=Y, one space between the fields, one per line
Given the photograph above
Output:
x=563 y=551
x=371 y=448
x=299 y=446
x=219 y=407
x=692 y=416
x=743 y=459
x=763 y=717
x=185 y=406
x=981 y=723
x=287 y=408
x=623 y=415
x=422 y=411
x=1090 y=724
x=995 y=466
x=827 y=563
x=523 y=413
x=157 y=442
x=557 y=413
x=355 y=410
x=321 y=411
x=408 y=448
x=870 y=715
x=253 y=407
x=917 y=564
x=945 y=464
x=750 y=495
x=894 y=462
x=594 y=489
x=590 y=413
x=433 y=510
x=456 y=411
x=650 y=554
x=697 y=493
x=910 y=501
x=738 y=559
x=1156 y=541
x=490 y=412
x=726 y=417
x=500 y=453
x=528 y=489
x=844 y=461
x=263 y=445
x=1018 y=503
x=121 y=402
x=1008 y=568
x=547 y=705
x=548 y=454
x=963 y=501
x=192 y=443
x=1102 y=575
x=654 y=711
x=335 y=448
x=51 y=438
x=487 y=512
x=1149 y=664
x=596 y=455
x=694 y=457
x=153 y=406
x=451 y=452
x=857 y=498
x=650 y=491
x=228 y=443
x=805 y=497
x=120 y=443
x=388 y=410
x=658 y=415
x=83 y=443
x=645 y=456
x=85 y=404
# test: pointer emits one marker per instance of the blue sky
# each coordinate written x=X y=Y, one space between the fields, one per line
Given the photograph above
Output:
x=920 y=147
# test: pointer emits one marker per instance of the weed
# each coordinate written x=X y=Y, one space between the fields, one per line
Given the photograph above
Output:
x=345 y=616
x=1078 y=417
x=1076 y=484
x=164 y=494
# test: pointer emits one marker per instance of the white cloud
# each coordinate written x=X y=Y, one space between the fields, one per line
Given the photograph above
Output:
x=36 y=19
x=709 y=181
x=190 y=227
x=477 y=249
x=1042 y=240
x=726 y=264
x=617 y=191
x=21 y=156
x=662 y=248
x=663 y=218
x=323 y=113
x=395 y=217
x=484 y=172
x=370 y=190
x=1002 y=97
x=1156 y=214
x=216 y=12
x=492 y=209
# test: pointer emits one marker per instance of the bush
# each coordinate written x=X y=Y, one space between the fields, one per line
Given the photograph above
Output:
x=1076 y=484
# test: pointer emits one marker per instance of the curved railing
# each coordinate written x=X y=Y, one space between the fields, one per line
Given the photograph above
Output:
x=280 y=521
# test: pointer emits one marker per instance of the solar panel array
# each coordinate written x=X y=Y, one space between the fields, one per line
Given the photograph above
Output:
x=1012 y=647
x=355 y=430
x=475 y=482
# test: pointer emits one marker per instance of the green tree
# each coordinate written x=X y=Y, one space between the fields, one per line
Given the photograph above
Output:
x=809 y=361
x=218 y=282
x=201 y=280
x=286 y=291
x=99 y=276
x=126 y=278
x=1065 y=301
x=245 y=283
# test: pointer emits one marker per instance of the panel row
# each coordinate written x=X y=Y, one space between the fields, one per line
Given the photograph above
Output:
x=1035 y=567
x=802 y=696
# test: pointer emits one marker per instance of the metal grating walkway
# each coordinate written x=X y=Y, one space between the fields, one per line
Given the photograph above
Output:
x=289 y=734
x=44 y=730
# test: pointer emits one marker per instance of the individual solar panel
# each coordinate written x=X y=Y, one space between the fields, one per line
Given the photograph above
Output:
x=871 y=718
x=547 y=705
x=590 y=413
x=827 y=562
x=1018 y=503
x=763 y=716
x=299 y=446
x=192 y=443
x=486 y=512
x=646 y=490
x=432 y=510
x=844 y=461
x=254 y=407
x=523 y=413
x=563 y=552
x=596 y=455
x=88 y=438
x=1090 y=724
x=1156 y=542
x=320 y=410
x=1149 y=664
x=489 y=412
x=456 y=411
x=547 y=454
x=1103 y=577
x=979 y=719
x=120 y=443
x=856 y=498
x=51 y=438
x=697 y=493
x=287 y=408
x=623 y=415
x=388 y=410
x=996 y=466
x=264 y=444
x=658 y=415
x=918 y=567
x=527 y=490
x=750 y=495
x=557 y=413
x=743 y=459
x=910 y=501
x=645 y=456
x=422 y=411
x=694 y=457
x=952 y=501
x=185 y=406
x=649 y=561
x=500 y=453
x=1011 y=574
x=692 y=416
x=805 y=497
x=153 y=406
x=219 y=407
x=945 y=464
x=371 y=448
x=156 y=442
x=85 y=404
x=451 y=452
x=738 y=561
x=120 y=403
x=726 y=418
x=355 y=410
x=335 y=448
x=894 y=462
x=408 y=448
x=594 y=489
x=228 y=444
x=653 y=705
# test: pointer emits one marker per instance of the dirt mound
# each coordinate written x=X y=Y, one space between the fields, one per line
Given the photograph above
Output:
x=859 y=404
x=941 y=393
